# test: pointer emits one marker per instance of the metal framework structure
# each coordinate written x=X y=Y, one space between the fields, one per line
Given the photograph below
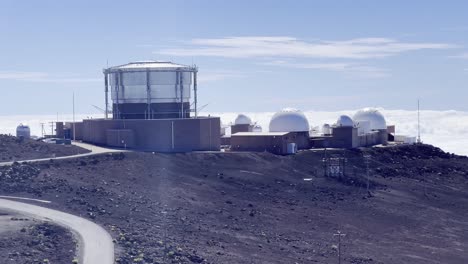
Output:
x=118 y=71
x=334 y=165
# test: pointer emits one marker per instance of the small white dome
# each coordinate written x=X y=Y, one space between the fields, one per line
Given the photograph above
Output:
x=242 y=119
x=23 y=131
x=289 y=120
x=344 y=121
x=257 y=128
x=375 y=118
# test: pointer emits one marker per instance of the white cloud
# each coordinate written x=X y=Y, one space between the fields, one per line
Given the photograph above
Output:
x=455 y=29
x=13 y=75
x=144 y=46
x=319 y=66
x=462 y=56
x=356 y=70
x=283 y=46
x=44 y=77
x=67 y=80
x=213 y=76
x=313 y=100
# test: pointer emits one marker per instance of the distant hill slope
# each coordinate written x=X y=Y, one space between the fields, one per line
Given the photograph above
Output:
x=257 y=207
x=14 y=149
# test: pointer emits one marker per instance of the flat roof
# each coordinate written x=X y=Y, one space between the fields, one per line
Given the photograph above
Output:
x=150 y=65
x=259 y=134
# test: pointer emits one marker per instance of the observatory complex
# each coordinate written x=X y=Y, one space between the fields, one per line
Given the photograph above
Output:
x=289 y=131
x=154 y=108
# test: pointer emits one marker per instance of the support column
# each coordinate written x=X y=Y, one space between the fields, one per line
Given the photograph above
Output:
x=121 y=88
x=181 y=87
x=195 y=91
x=148 y=94
x=117 y=89
x=106 y=91
x=176 y=91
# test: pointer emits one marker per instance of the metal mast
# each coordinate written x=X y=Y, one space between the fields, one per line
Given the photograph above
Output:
x=106 y=91
x=74 y=134
x=148 y=95
x=419 y=128
x=181 y=87
x=195 y=90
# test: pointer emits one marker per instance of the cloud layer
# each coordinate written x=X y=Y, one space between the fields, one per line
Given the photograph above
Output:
x=444 y=129
x=358 y=70
x=462 y=56
x=283 y=46
x=44 y=77
x=346 y=56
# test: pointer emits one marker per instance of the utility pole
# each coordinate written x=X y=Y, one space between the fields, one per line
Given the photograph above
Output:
x=339 y=234
x=367 y=161
x=42 y=129
x=51 y=128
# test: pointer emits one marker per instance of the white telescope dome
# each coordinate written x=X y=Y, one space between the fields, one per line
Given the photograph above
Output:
x=373 y=116
x=344 y=121
x=289 y=120
x=242 y=119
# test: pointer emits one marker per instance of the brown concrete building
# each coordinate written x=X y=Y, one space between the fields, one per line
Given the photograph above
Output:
x=161 y=135
x=241 y=128
x=274 y=142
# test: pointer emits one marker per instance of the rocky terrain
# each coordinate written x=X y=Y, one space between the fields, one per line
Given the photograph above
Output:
x=262 y=208
x=34 y=242
x=13 y=148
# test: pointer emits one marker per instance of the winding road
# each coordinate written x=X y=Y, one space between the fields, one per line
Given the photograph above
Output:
x=95 y=150
x=95 y=243
x=95 y=246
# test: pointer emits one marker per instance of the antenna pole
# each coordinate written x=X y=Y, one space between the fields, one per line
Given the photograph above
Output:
x=42 y=129
x=74 y=137
x=195 y=90
x=419 y=127
x=106 y=93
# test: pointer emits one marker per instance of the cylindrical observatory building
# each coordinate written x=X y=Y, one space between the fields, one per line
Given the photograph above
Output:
x=151 y=90
x=153 y=109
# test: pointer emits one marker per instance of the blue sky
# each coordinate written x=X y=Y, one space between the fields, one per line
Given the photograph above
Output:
x=252 y=55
